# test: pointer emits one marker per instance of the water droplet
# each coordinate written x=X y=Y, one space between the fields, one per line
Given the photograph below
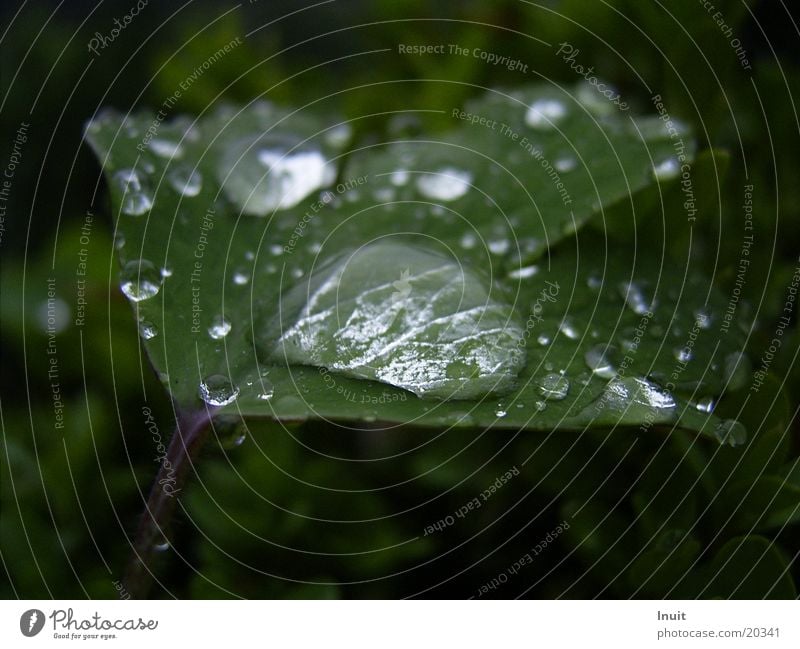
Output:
x=468 y=241
x=705 y=404
x=403 y=315
x=135 y=201
x=565 y=164
x=634 y=297
x=569 y=329
x=500 y=413
x=217 y=390
x=540 y=405
x=219 y=328
x=543 y=339
x=338 y=136
x=447 y=184
x=161 y=545
x=140 y=280
x=524 y=272
x=683 y=354
x=599 y=359
x=667 y=169
x=147 y=330
x=703 y=317
x=731 y=432
x=384 y=194
x=545 y=113
x=165 y=148
x=268 y=172
x=240 y=278
x=185 y=180
x=399 y=177
x=553 y=386
x=119 y=240
x=498 y=246
x=166 y=271
x=594 y=282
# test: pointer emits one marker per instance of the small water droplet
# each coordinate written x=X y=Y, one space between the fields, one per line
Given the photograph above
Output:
x=219 y=328
x=165 y=148
x=185 y=180
x=703 y=317
x=667 y=169
x=545 y=113
x=565 y=164
x=338 y=136
x=217 y=390
x=399 y=177
x=498 y=246
x=634 y=297
x=569 y=329
x=705 y=404
x=553 y=386
x=468 y=241
x=135 y=201
x=276 y=250
x=166 y=271
x=447 y=184
x=384 y=194
x=540 y=405
x=500 y=413
x=140 y=280
x=543 y=339
x=594 y=282
x=731 y=432
x=162 y=545
x=524 y=272
x=682 y=354
x=240 y=278
x=599 y=359
x=147 y=330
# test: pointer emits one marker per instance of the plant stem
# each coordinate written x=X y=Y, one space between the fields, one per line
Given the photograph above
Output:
x=190 y=435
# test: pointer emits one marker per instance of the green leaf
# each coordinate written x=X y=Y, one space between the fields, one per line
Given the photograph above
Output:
x=224 y=225
x=748 y=567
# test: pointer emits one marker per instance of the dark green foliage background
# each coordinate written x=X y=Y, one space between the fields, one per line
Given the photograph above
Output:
x=657 y=515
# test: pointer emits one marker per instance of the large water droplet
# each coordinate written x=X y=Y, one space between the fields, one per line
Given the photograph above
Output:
x=140 y=280
x=269 y=172
x=553 y=386
x=405 y=316
x=731 y=432
x=600 y=360
x=545 y=113
x=219 y=328
x=447 y=184
x=217 y=390
x=135 y=201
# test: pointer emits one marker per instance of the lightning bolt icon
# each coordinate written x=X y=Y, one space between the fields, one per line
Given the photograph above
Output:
x=32 y=620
